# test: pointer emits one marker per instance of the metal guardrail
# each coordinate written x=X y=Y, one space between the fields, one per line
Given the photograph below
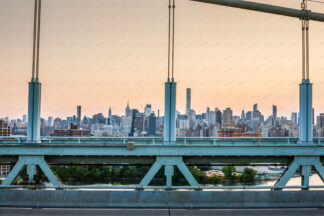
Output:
x=134 y=187
x=158 y=140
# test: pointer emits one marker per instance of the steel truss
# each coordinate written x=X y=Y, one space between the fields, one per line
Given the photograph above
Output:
x=167 y=156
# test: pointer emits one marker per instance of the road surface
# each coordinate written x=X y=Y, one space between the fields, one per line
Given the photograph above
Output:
x=10 y=211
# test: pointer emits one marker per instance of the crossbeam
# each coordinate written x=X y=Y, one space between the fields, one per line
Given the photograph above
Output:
x=31 y=162
x=167 y=156
x=162 y=150
x=266 y=8
x=305 y=163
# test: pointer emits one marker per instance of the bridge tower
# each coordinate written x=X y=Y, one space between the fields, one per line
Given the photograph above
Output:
x=34 y=94
x=305 y=97
x=305 y=88
x=170 y=85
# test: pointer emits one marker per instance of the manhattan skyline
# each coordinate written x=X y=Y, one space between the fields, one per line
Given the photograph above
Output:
x=99 y=57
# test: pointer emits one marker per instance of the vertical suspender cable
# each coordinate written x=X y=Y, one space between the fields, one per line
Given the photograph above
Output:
x=307 y=49
x=303 y=49
x=34 y=40
x=173 y=40
x=38 y=35
x=169 y=35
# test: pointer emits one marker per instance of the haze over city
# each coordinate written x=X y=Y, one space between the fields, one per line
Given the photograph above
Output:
x=93 y=55
x=165 y=107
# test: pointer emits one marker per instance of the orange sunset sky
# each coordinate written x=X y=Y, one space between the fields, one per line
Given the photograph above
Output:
x=101 y=53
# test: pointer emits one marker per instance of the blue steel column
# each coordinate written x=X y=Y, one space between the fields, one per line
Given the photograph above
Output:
x=305 y=173
x=170 y=112
x=305 y=112
x=34 y=108
x=168 y=172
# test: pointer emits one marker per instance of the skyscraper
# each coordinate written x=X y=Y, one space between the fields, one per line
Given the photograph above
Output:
x=188 y=100
x=24 y=118
x=50 y=121
x=109 y=116
x=274 y=111
x=228 y=116
x=320 y=121
x=207 y=114
x=320 y=125
x=109 y=112
x=294 y=118
x=218 y=117
x=151 y=125
x=248 y=116
x=255 y=107
x=313 y=116
x=243 y=116
x=79 y=116
x=133 y=117
x=127 y=110
x=148 y=109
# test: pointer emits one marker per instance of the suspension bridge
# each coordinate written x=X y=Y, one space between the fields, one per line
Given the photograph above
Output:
x=305 y=152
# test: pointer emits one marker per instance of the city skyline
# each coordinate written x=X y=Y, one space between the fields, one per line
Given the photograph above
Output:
x=155 y=110
x=85 y=46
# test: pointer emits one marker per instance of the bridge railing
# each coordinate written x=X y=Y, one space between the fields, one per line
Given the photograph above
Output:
x=136 y=187
x=159 y=140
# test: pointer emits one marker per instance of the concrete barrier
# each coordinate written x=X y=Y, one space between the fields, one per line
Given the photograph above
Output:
x=161 y=199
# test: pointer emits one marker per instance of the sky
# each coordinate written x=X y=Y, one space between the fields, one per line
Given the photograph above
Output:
x=103 y=53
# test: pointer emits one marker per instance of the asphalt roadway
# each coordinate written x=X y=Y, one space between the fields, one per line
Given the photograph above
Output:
x=12 y=211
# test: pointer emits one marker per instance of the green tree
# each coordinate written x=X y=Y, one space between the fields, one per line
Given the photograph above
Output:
x=94 y=174
x=215 y=180
x=78 y=173
x=228 y=171
x=197 y=173
x=249 y=174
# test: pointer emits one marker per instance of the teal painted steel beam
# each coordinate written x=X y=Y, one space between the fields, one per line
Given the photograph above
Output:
x=162 y=150
x=13 y=173
x=32 y=162
x=34 y=109
x=266 y=8
x=320 y=169
x=49 y=174
x=31 y=172
x=168 y=162
x=168 y=172
x=305 y=173
x=305 y=112
x=170 y=112
x=150 y=175
x=305 y=162
x=187 y=174
x=288 y=174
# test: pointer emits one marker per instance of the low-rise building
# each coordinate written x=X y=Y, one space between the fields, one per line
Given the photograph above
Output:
x=4 y=128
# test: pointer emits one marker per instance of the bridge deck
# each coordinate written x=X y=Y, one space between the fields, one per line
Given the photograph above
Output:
x=221 y=149
x=233 y=150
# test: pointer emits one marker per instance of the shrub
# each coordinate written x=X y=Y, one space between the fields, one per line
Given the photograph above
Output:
x=228 y=171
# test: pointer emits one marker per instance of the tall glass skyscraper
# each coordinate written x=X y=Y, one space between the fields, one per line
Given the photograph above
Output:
x=188 y=100
x=79 y=116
